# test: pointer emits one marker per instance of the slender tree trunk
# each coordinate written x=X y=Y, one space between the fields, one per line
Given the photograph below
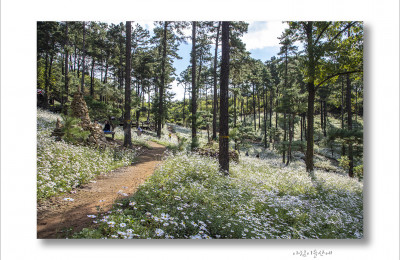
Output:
x=349 y=124
x=224 y=127
x=198 y=78
x=265 y=101
x=205 y=86
x=184 y=105
x=194 y=90
x=234 y=109
x=75 y=56
x=322 y=114
x=342 y=115
x=46 y=80
x=214 y=123
x=301 y=128
x=241 y=109
x=305 y=126
x=284 y=137
x=78 y=71
x=71 y=68
x=254 y=109
x=82 y=89
x=49 y=79
x=92 y=79
x=270 y=114
x=291 y=132
x=311 y=99
x=356 y=110
x=148 y=100
x=138 y=110
x=127 y=116
x=259 y=111
x=105 y=73
x=162 y=85
x=276 y=115
x=325 y=115
x=66 y=79
x=310 y=128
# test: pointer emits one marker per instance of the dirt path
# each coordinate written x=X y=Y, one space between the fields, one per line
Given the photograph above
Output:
x=56 y=215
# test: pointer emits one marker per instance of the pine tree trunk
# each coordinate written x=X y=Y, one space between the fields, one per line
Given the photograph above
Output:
x=224 y=115
x=194 y=90
x=75 y=56
x=138 y=110
x=356 y=108
x=162 y=85
x=349 y=124
x=276 y=115
x=92 y=79
x=325 y=115
x=82 y=89
x=66 y=79
x=105 y=73
x=342 y=115
x=241 y=109
x=234 y=109
x=259 y=112
x=214 y=124
x=46 y=80
x=284 y=138
x=311 y=99
x=265 y=101
x=322 y=114
x=301 y=128
x=49 y=79
x=127 y=116
x=310 y=128
x=184 y=104
x=289 y=153
x=270 y=115
x=254 y=109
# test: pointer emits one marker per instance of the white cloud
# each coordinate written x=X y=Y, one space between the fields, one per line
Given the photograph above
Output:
x=263 y=34
x=178 y=90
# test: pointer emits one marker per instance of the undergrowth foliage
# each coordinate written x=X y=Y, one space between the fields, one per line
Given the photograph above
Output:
x=62 y=166
x=187 y=197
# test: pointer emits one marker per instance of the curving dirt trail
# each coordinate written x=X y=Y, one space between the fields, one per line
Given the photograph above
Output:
x=54 y=216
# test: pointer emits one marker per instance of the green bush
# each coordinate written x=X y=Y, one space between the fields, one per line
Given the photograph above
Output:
x=359 y=171
x=344 y=162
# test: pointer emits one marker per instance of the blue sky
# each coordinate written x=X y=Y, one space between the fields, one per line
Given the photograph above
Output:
x=261 y=41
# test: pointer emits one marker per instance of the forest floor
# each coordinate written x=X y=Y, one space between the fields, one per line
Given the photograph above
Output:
x=57 y=217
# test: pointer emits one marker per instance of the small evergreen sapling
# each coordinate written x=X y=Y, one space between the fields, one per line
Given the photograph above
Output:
x=73 y=133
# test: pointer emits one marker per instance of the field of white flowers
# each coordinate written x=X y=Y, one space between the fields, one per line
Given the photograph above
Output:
x=187 y=198
x=62 y=167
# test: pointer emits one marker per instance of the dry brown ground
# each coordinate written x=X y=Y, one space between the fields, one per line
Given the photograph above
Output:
x=55 y=216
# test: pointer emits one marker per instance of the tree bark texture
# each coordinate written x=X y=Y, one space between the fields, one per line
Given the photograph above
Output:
x=214 y=123
x=127 y=116
x=194 y=90
x=224 y=82
x=161 y=93
x=82 y=89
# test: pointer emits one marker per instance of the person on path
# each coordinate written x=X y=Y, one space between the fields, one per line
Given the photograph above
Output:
x=107 y=127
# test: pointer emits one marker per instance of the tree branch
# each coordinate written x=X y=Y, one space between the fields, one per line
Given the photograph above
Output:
x=339 y=33
x=337 y=74
x=323 y=30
